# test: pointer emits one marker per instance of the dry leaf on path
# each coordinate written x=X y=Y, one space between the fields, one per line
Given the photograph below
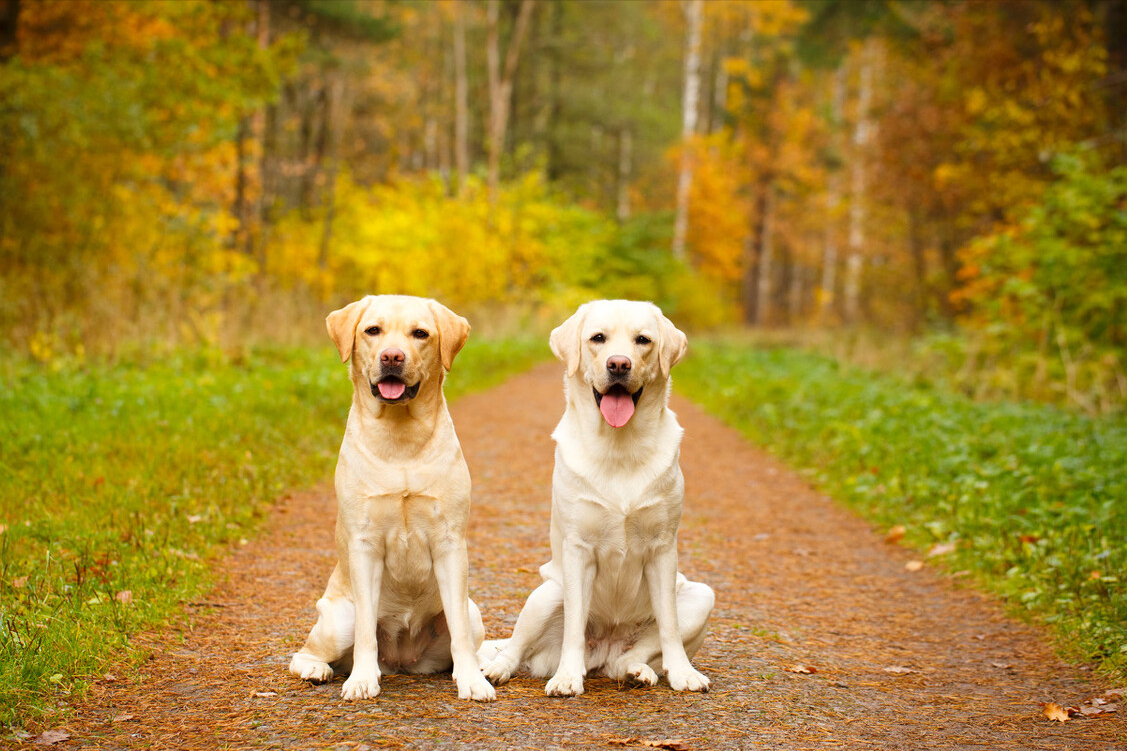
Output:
x=804 y=669
x=622 y=741
x=264 y=694
x=123 y=717
x=50 y=737
x=895 y=534
x=899 y=670
x=914 y=565
x=941 y=548
x=674 y=744
x=1055 y=712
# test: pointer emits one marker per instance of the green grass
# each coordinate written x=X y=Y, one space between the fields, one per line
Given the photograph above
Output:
x=126 y=479
x=1034 y=498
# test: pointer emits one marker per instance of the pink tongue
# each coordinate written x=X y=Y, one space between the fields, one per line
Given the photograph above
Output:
x=391 y=389
x=617 y=408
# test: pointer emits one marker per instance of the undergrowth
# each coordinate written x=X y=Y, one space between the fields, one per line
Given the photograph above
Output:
x=119 y=482
x=1030 y=497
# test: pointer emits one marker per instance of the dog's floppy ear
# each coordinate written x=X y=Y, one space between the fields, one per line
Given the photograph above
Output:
x=342 y=325
x=453 y=331
x=564 y=340
x=673 y=346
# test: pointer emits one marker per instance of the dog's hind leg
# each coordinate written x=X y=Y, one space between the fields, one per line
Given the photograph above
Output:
x=538 y=634
x=640 y=663
x=330 y=642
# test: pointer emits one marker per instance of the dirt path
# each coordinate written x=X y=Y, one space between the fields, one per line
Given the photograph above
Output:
x=798 y=581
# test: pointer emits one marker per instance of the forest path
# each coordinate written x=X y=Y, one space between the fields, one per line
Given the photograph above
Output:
x=798 y=582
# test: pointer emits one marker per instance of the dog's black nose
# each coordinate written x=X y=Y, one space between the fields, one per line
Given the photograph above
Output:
x=392 y=356
x=618 y=365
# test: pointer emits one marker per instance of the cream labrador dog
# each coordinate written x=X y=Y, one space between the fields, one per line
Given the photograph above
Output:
x=397 y=600
x=612 y=598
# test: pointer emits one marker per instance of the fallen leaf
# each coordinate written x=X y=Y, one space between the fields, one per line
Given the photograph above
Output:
x=1029 y=538
x=19 y=582
x=804 y=669
x=1093 y=711
x=622 y=741
x=914 y=565
x=195 y=519
x=1095 y=575
x=941 y=548
x=1001 y=665
x=125 y=596
x=264 y=694
x=1055 y=712
x=524 y=570
x=895 y=534
x=1116 y=693
x=674 y=744
x=50 y=737
x=899 y=670
x=123 y=717
x=109 y=678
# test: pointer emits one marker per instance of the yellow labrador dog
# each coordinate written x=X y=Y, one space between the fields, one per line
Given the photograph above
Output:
x=397 y=600
x=612 y=598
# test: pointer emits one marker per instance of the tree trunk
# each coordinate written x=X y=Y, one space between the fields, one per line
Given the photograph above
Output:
x=9 y=25
x=833 y=201
x=501 y=81
x=241 y=209
x=328 y=148
x=461 y=97
x=861 y=137
x=693 y=10
x=766 y=257
x=625 y=170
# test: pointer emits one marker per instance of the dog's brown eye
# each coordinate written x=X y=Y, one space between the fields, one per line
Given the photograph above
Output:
x=419 y=334
x=642 y=339
x=372 y=331
x=598 y=338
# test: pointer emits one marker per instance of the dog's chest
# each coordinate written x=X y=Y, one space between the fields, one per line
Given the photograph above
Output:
x=620 y=514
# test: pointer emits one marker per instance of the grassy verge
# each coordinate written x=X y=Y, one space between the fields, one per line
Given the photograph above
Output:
x=117 y=483
x=1027 y=498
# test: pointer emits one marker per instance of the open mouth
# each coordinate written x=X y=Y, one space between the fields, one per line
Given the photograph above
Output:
x=392 y=390
x=617 y=404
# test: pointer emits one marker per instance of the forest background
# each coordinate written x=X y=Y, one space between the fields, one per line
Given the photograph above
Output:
x=951 y=174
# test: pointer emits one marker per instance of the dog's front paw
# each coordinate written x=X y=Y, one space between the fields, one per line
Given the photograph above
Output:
x=688 y=679
x=309 y=668
x=474 y=686
x=361 y=686
x=565 y=683
x=499 y=670
x=641 y=673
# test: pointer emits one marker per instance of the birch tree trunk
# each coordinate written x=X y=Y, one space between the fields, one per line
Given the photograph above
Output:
x=693 y=10
x=833 y=200
x=501 y=81
x=766 y=258
x=461 y=97
x=625 y=170
x=861 y=137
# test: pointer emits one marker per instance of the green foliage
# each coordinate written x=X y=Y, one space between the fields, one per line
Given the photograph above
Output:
x=1049 y=294
x=121 y=482
x=1031 y=497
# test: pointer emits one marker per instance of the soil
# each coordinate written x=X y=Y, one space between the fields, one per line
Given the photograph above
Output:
x=901 y=659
